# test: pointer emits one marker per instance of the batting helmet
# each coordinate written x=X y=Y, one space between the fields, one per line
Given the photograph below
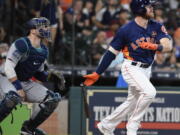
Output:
x=42 y=24
x=138 y=6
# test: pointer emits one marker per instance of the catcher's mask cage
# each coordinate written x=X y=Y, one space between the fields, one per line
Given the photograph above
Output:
x=138 y=7
x=41 y=24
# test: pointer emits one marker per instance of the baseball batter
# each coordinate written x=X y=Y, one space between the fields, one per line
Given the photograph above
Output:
x=25 y=60
x=139 y=40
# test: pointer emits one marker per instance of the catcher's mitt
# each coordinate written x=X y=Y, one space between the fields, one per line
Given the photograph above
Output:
x=58 y=78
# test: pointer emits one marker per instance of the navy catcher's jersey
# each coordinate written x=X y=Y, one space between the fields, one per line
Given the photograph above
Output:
x=128 y=37
x=32 y=58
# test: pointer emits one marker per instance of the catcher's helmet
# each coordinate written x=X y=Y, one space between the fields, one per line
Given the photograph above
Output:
x=138 y=6
x=42 y=24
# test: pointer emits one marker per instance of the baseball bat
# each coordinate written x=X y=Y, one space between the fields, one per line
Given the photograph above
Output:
x=86 y=106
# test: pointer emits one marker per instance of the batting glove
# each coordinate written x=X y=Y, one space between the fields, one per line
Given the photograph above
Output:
x=91 y=79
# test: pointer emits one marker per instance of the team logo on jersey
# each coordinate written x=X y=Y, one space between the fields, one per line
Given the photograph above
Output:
x=154 y=34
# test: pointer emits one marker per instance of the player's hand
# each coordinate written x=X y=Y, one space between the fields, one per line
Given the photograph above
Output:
x=21 y=93
x=91 y=78
x=148 y=46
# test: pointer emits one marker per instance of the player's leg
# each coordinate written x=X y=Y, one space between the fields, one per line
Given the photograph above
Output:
x=136 y=76
x=109 y=123
x=9 y=98
x=48 y=101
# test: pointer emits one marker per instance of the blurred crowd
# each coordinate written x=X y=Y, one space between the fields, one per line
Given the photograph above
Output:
x=82 y=29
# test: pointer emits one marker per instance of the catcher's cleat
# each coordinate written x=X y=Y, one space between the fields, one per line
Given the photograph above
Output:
x=26 y=131
x=37 y=131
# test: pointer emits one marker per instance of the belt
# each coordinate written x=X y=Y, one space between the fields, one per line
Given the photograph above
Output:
x=143 y=65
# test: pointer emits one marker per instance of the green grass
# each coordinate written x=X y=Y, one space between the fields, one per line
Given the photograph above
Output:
x=21 y=114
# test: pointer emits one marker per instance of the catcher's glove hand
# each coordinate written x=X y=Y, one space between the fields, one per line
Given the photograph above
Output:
x=57 y=77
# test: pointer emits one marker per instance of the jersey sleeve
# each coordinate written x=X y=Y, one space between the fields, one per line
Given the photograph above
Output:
x=21 y=45
x=12 y=59
x=17 y=50
x=118 y=41
x=162 y=32
x=13 y=54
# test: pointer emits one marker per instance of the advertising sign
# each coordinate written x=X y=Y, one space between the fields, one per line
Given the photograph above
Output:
x=162 y=117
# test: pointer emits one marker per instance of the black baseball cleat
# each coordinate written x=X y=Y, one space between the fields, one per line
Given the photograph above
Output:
x=26 y=131
x=37 y=131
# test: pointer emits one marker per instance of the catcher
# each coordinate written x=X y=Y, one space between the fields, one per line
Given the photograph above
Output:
x=25 y=59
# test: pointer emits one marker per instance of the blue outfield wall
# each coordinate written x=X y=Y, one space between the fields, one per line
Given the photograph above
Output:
x=162 y=117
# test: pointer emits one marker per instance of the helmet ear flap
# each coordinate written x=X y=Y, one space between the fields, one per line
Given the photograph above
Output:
x=141 y=11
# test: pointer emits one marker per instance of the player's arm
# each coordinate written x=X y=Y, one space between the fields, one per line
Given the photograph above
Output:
x=165 y=39
x=108 y=57
x=166 y=44
x=13 y=56
x=115 y=46
x=12 y=59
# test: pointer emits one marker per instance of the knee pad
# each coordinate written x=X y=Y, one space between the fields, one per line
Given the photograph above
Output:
x=47 y=107
x=9 y=102
x=50 y=102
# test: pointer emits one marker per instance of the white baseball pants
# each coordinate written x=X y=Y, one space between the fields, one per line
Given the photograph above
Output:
x=35 y=92
x=141 y=93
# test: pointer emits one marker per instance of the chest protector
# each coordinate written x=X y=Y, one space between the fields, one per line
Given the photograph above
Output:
x=31 y=61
